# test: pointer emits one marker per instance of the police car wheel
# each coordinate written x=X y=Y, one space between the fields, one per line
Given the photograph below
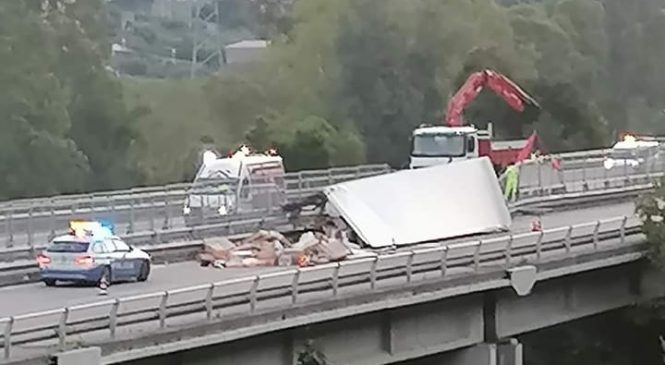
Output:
x=49 y=282
x=145 y=271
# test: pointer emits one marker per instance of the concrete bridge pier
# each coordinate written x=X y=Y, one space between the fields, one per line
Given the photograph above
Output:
x=508 y=352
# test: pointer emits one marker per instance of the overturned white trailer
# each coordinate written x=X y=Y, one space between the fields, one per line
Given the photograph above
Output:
x=422 y=205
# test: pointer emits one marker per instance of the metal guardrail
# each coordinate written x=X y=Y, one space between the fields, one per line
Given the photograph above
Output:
x=259 y=220
x=208 y=302
x=152 y=234
x=540 y=177
x=163 y=209
x=152 y=191
x=147 y=208
x=102 y=197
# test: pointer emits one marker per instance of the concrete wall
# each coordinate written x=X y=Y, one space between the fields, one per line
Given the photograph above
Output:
x=376 y=338
x=557 y=301
x=438 y=324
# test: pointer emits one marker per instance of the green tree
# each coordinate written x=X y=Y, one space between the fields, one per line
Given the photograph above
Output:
x=101 y=125
x=34 y=116
x=237 y=99
x=314 y=143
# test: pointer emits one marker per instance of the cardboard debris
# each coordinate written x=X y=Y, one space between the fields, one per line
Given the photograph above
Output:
x=271 y=248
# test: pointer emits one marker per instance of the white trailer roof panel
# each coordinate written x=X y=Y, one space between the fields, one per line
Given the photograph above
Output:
x=422 y=205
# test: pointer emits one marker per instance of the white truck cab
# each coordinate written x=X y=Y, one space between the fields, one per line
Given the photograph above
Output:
x=434 y=145
x=244 y=182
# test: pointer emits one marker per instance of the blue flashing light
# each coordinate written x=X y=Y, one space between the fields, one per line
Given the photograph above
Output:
x=91 y=228
x=107 y=225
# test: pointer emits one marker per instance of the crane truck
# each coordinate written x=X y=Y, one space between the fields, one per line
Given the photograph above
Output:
x=432 y=145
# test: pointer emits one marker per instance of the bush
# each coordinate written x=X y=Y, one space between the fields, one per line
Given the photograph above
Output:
x=651 y=210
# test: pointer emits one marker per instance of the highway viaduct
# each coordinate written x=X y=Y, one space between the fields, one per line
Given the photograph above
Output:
x=470 y=318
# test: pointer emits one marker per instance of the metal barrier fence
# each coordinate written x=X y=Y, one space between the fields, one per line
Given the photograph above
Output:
x=160 y=223
x=132 y=213
x=299 y=179
x=281 y=290
x=539 y=177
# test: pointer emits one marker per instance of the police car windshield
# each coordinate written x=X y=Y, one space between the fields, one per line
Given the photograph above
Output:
x=68 y=246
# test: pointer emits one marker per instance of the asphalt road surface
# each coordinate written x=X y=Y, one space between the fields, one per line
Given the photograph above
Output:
x=37 y=297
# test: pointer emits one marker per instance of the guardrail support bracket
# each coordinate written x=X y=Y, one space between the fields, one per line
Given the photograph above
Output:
x=522 y=279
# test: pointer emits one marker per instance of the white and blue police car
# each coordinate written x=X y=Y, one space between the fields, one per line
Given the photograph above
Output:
x=91 y=253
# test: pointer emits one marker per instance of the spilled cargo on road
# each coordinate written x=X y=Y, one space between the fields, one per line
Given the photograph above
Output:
x=382 y=212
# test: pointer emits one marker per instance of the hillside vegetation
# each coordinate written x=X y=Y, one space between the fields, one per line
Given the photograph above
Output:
x=343 y=82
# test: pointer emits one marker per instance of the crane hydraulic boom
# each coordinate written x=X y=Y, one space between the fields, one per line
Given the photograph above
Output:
x=500 y=84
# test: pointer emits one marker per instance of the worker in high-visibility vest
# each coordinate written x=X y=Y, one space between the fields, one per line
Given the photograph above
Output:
x=512 y=182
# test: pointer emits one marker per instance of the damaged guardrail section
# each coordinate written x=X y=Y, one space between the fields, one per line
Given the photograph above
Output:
x=283 y=289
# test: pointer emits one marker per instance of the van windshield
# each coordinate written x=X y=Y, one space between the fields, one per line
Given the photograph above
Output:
x=68 y=246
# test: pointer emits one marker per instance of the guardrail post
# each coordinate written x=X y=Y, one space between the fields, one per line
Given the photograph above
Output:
x=112 y=205
x=568 y=242
x=62 y=328
x=509 y=250
x=294 y=286
x=409 y=267
x=10 y=227
x=130 y=227
x=92 y=206
x=8 y=337
x=606 y=179
x=444 y=261
x=209 y=294
x=595 y=236
x=335 y=280
x=623 y=230
x=30 y=233
x=113 y=317
x=539 y=245
x=152 y=212
x=476 y=256
x=540 y=178
x=585 y=185
x=252 y=294
x=165 y=225
x=300 y=194
x=162 y=309
x=372 y=273
x=52 y=220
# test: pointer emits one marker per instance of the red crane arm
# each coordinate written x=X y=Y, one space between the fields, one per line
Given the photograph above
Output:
x=500 y=84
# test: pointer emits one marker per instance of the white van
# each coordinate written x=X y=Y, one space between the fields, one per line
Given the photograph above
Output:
x=242 y=183
x=632 y=153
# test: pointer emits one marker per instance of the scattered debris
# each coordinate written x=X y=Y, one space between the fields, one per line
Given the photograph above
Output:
x=536 y=225
x=326 y=243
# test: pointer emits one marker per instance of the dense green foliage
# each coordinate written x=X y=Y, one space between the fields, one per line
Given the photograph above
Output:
x=343 y=82
x=382 y=67
x=651 y=210
x=64 y=124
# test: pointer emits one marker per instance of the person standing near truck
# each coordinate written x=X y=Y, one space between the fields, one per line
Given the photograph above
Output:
x=512 y=182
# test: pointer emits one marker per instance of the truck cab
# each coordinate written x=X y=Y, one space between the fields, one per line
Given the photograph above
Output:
x=434 y=145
